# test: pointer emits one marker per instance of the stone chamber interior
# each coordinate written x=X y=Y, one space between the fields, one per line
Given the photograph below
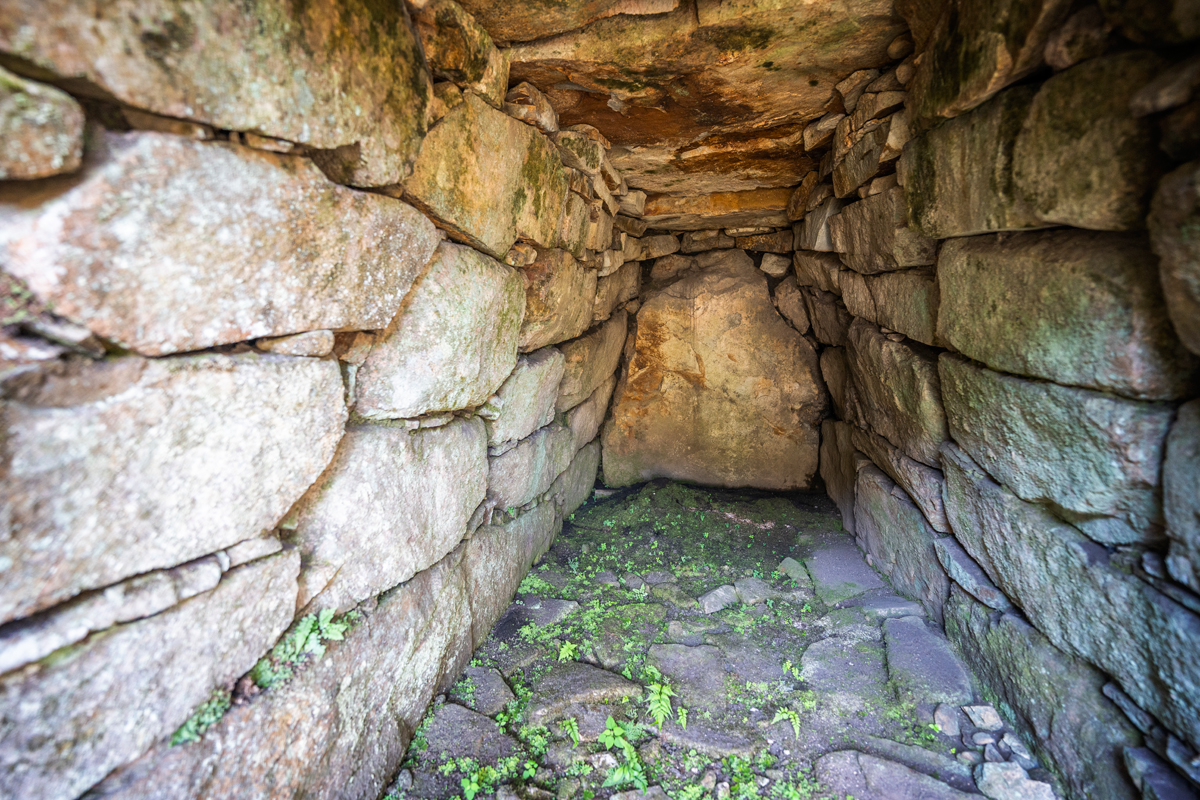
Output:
x=322 y=320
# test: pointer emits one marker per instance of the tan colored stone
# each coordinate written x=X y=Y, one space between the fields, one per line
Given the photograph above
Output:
x=106 y=702
x=312 y=343
x=873 y=236
x=459 y=49
x=599 y=234
x=41 y=129
x=104 y=482
x=862 y=161
x=391 y=504
x=634 y=203
x=650 y=247
x=522 y=23
x=525 y=473
x=904 y=301
x=247 y=66
x=270 y=246
x=751 y=418
x=526 y=103
x=590 y=360
x=525 y=401
x=585 y=419
x=615 y=289
x=574 y=227
x=798 y=202
x=778 y=242
x=822 y=270
x=1176 y=210
x=1084 y=35
x=790 y=302
x=837 y=378
x=453 y=343
x=559 y=299
x=476 y=155
x=668 y=268
x=700 y=241
x=762 y=206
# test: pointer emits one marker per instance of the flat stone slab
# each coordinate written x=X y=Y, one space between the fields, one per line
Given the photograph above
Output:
x=865 y=777
x=796 y=571
x=935 y=765
x=1009 y=781
x=697 y=674
x=575 y=682
x=837 y=665
x=711 y=740
x=839 y=573
x=885 y=606
x=464 y=733
x=487 y=693
x=748 y=660
x=922 y=664
x=719 y=598
x=543 y=611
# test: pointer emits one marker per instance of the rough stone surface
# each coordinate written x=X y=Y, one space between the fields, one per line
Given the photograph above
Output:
x=751 y=418
x=102 y=483
x=1176 y=209
x=896 y=392
x=865 y=777
x=591 y=360
x=104 y=703
x=248 y=67
x=839 y=468
x=921 y=483
x=574 y=682
x=821 y=270
x=1074 y=307
x=573 y=488
x=905 y=302
x=717 y=210
x=468 y=734
x=615 y=289
x=873 y=236
x=1094 y=458
x=963 y=570
x=1181 y=495
x=453 y=343
x=790 y=301
x=164 y=245
x=476 y=155
x=827 y=315
x=1049 y=570
x=1054 y=699
x=41 y=129
x=460 y=50
x=526 y=398
x=527 y=471
x=489 y=693
x=892 y=530
x=559 y=299
x=585 y=419
x=816 y=231
x=1009 y=781
x=839 y=573
x=391 y=504
x=312 y=343
x=922 y=665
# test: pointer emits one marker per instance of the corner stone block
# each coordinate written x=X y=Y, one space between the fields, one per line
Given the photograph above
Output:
x=339 y=728
x=1094 y=458
x=391 y=504
x=248 y=66
x=590 y=360
x=585 y=419
x=1073 y=593
x=1055 y=698
x=527 y=397
x=74 y=717
x=839 y=468
x=896 y=392
x=923 y=484
x=560 y=296
x=41 y=129
x=1074 y=307
x=1174 y=212
x=453 y=343
x=889 y=526
x=905 y=301
x=572 y=489
x=525 y=472
x=477 y=154
x=873 y=235
x=119 y=468
x=165 y=245
x=1181 y=496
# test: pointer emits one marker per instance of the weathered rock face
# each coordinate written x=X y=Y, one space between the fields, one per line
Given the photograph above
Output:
x=166 y=245
x=720 y=389
x=1092 y=457
x=391 y=504
x=924 y=485
x=873 y=235
x=452 y=345
x=529 y=21
x=266 y=66
x=905 y=301
x=41 y=129
x=460 y=50
x=103 y=483
x=1056 y=698
x=615 y=289
x=559 y=299
x=717 y=210
x=693 y=63
x=1176 y=208
x=1073 y=307
x=1137 y=635
x=590 y=361
x=1181 y=495
x=104 y=703
x=526 y=398
x=525 y=472
x=489 y=179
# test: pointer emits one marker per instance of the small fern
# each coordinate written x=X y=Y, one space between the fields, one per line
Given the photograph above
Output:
x=659 y=702
x=791 y=716
x=681 y=716
x=207 y=715
x=570 y=726
x=568 y=651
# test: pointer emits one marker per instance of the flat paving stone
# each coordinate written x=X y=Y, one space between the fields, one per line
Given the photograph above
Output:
x=747 y=659
x=866 y=777
x=840 y=666
x=923 y=666
x=487 y=694
x=464 y=733
x=839 y=572
x=718 y=599
x=697 y=674
x=884 y=606
x=944 y=768
x=576 y=682
x=714 y=741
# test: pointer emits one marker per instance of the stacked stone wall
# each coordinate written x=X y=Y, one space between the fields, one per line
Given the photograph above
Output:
x=309 y=329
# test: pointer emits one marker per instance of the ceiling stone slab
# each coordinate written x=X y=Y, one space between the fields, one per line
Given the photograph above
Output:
x=539 y=19
x=718 y=210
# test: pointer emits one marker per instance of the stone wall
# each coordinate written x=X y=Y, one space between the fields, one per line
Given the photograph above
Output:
x=302 y=367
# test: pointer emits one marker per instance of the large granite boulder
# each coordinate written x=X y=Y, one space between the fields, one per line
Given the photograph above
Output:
x=41 y=129
x=165 y=245
x=119 y=468
x=1145 y=640
x=1096 y=459
x=1074 y=307
x=391 y=504
x=73 y=718
x=489 y=179
x=1174 y=212
x=271 y=67
x=1054 y=699
x=720 y=390
x=1181 y=495
x=453 y=343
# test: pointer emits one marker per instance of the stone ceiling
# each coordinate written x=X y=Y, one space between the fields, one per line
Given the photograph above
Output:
x=698 y=96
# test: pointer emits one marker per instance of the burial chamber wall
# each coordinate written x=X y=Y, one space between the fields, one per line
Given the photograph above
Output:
x=305 y=365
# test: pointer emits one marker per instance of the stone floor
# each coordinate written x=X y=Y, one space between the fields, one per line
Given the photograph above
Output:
x=691 y=644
